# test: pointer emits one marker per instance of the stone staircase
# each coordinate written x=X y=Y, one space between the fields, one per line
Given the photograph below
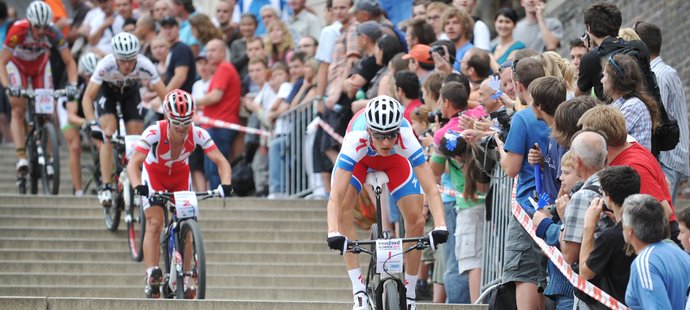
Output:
x=261 y=254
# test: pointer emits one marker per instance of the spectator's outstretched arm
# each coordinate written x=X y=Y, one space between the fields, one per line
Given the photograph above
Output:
x=591 y=219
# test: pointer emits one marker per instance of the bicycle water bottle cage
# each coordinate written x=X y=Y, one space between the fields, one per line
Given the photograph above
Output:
x=377 y=179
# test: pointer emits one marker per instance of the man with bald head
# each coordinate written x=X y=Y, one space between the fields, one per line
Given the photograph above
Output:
x=222 y=102
x=589 y=152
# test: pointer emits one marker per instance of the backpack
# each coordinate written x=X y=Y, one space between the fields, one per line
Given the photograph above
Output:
x=242 y=177
x=667 y=135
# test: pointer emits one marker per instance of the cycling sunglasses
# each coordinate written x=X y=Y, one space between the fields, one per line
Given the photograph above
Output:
x=385 y=135
x=180 y=124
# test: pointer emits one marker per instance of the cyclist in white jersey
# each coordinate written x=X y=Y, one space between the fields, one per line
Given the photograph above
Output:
x=382 y=140
x=117 y=78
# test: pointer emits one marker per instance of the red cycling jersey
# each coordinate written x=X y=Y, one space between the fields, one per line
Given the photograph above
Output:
x=29 y=54
x=160 y=170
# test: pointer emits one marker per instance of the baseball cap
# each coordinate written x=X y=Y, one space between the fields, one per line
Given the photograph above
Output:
x=169 y=21
x=370 y=29
x=202 y=55
x=370 y=6
x=420 y=53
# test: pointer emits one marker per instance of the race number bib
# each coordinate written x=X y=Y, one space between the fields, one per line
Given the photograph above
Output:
x=130 y=143
x=389 y=256
x=44 y=101
x=186 y=205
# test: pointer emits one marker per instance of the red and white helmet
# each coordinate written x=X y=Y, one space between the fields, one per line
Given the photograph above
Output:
x=179 y=105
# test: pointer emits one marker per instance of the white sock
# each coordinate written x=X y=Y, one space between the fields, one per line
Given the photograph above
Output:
x=410 y=286
x=79 y=193
x=148 y=270
x=357 y=280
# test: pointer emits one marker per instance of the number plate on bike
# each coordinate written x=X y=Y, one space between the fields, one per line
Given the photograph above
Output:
x=130 y=143
x=186 y=205
x=44 y=101
x=389 y=256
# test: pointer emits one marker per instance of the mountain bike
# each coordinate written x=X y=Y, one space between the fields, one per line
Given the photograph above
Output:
x=123 y=195
x=183 y=245
x=384 y=279
x=42 y=144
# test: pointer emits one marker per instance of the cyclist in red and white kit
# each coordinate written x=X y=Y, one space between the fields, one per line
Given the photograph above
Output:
x=164 y=151
x=24 y=61
x=378 y=138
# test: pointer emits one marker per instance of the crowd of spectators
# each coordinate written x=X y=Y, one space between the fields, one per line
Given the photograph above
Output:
x=598 y=123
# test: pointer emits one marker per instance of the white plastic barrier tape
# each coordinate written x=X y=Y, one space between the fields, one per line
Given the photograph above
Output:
x=223 y=124
x=558 y=260
x=330 y=131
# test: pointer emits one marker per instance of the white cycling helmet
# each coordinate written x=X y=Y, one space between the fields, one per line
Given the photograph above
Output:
x=179 y=105
x=39 y=13
x=383 y=114
x=125 y=45
x=87 y=63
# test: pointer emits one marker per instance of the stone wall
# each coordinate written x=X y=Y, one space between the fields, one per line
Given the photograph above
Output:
x=670 y=15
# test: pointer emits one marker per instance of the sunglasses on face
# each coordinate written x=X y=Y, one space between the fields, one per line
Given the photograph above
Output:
x=385 y=135
x=180 y=124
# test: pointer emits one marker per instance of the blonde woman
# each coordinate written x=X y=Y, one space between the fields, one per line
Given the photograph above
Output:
x=278 y=42
x=557 y=66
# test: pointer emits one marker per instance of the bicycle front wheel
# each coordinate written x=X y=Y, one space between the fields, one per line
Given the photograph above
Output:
x=50 y=170
x=193 y=261
x=136 y=225
x=391 y=296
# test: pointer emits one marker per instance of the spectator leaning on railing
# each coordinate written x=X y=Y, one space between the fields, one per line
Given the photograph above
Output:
x=660 y=274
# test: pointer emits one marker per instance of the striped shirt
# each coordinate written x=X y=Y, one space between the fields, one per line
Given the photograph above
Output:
x=638 y=121
x=673 y=97
x=659 y=278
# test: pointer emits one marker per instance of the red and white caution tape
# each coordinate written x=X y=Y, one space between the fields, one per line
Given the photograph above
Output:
x=558 y=260
x=330 y=131
x=223 y=124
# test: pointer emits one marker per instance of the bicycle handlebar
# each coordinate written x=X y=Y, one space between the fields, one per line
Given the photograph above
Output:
x=354 y=246
x=203 y=195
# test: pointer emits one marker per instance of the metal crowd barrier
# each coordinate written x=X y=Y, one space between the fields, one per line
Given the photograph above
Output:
x=295 y=164
x=495 y=232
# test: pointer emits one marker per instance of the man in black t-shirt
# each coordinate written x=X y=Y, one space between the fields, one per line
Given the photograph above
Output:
x=604 y=260
x=602 y=21
x=181 y=71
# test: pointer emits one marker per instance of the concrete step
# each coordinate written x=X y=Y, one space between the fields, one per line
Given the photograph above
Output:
x=135 y=279
x=238 y=213
x=61 y=303
x=249 y=224
x=58 y=243
x=218 y=292
x=12 y=199
x=229 y=235
x=237 y=256
x=128 y=266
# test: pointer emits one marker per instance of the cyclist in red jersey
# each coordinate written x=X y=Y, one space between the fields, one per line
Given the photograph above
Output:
x=24 y=61
x=164 y=150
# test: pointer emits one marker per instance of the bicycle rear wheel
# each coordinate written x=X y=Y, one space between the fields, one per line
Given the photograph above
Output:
x=136 y=225
x=194 y=261
x=111 y=215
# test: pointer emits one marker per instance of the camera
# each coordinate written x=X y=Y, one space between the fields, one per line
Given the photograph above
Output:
x=503 y=119
x=438 y=49
x=436 y=116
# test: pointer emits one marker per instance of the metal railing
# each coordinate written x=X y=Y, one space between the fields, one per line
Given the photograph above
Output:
x=495 y=232
x=295 y=144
